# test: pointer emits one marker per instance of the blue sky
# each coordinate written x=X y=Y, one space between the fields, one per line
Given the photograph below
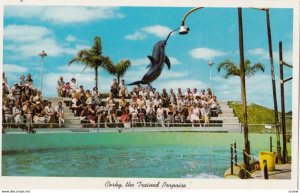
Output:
x=131 y=32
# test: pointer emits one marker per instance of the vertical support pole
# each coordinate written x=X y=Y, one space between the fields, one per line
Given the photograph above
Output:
x=283 y=126
x=273 y=84
x=235 y=154
x=231 y=159
x=271 y=144
x=266 y=175
x=243 y=86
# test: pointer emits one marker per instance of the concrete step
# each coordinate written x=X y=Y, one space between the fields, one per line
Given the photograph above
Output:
x=224 y=118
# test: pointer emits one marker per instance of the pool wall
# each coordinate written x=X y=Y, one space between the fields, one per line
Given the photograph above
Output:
x=24 y=142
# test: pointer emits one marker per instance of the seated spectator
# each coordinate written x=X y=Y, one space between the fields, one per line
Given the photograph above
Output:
x=142 y=114
x=73 y=85
x=66 y=89
x=39 y=113
x=49 y=113
x=29 y=84
x=16 y=91
x=141 y=101
x=22 y=83
x=90 y=114
x=180 y=116
x=122 y=104
x=123 y=89
x=172 y=97
x=205 y=112
x=88 y=97
x=157 y=101
x=59 y=112
x=195 y=114
x=209 y=94
x=214 y=105
x=188 y=93
x=27 y=109
x=125 y=116
x=60 y=85
x=195 y=93
x=11 y=98
x=179 y=93
x=78 y=104
x=114 y=88
x=203 y=95
x=102 y=115
x=7 y=112
x=5 y=91
x=17 y=113
x=112 y=113
x=95 y=96
x=160 y=115
x=150 y=112
x=165 y=98
x=133 y=112
x=170 y=115
x=81 y=91
x=37 y=97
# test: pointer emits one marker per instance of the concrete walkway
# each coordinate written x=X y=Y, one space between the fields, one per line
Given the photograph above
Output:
x=282 y=171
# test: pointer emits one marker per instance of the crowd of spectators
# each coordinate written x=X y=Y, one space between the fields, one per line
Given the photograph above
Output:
x=23 y=105
x=142 y=105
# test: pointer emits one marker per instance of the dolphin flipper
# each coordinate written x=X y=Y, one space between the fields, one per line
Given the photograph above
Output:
x=152 y=61
x=167 y=61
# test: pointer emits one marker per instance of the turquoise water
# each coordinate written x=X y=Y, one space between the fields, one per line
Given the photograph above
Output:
x=157 y=155
x=166 y=162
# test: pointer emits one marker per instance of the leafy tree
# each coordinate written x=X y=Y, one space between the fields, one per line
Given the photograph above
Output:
x=93 y=58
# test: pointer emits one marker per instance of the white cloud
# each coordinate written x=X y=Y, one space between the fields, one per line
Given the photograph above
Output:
x=205 y=53
x=136 y=36
x=140 y=61
x=74 y=68
x=13 y=68
x=70 y=38
x=259 y=52
x=63 y=14
x=157 y=30
x=262 y=94
x=30 y=40
x=174 y=61
x=25 y=33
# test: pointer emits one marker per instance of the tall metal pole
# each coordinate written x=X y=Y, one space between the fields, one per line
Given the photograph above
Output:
x=284 y=153
x=210 y=63
x=243 y=88
x=42 y=55
x=273 y=86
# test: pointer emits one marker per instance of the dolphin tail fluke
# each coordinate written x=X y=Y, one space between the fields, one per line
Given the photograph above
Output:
x=137 y=82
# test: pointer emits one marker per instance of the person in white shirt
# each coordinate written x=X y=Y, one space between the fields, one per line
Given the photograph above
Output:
x=17 y=113
x=49 y=113
x=73 y=85
x=160 y=115
x=123 y=89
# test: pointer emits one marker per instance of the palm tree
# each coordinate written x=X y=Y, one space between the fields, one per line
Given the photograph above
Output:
x=119 y=69
x=93 y=58
x=231 y=69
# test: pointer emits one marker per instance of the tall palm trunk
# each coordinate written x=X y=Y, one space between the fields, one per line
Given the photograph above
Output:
x=96 y=77
x=243 y=89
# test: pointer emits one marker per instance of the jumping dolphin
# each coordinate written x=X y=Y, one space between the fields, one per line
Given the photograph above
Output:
x=157 y=60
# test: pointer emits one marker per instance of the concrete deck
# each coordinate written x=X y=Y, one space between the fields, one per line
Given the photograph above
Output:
x=282 y=171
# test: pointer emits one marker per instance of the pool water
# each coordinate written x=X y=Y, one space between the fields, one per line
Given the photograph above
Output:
x=159 y=155
x=158 y=162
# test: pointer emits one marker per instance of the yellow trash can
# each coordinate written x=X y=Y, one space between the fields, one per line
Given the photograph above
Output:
x=270 y=157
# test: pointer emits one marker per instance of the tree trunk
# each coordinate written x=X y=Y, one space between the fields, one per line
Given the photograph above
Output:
x=118 y=79
x=243 y=89
x=96 y=77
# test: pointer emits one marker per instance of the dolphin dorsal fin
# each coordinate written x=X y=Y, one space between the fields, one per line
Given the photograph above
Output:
x=167 y=61
x=151 y=59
